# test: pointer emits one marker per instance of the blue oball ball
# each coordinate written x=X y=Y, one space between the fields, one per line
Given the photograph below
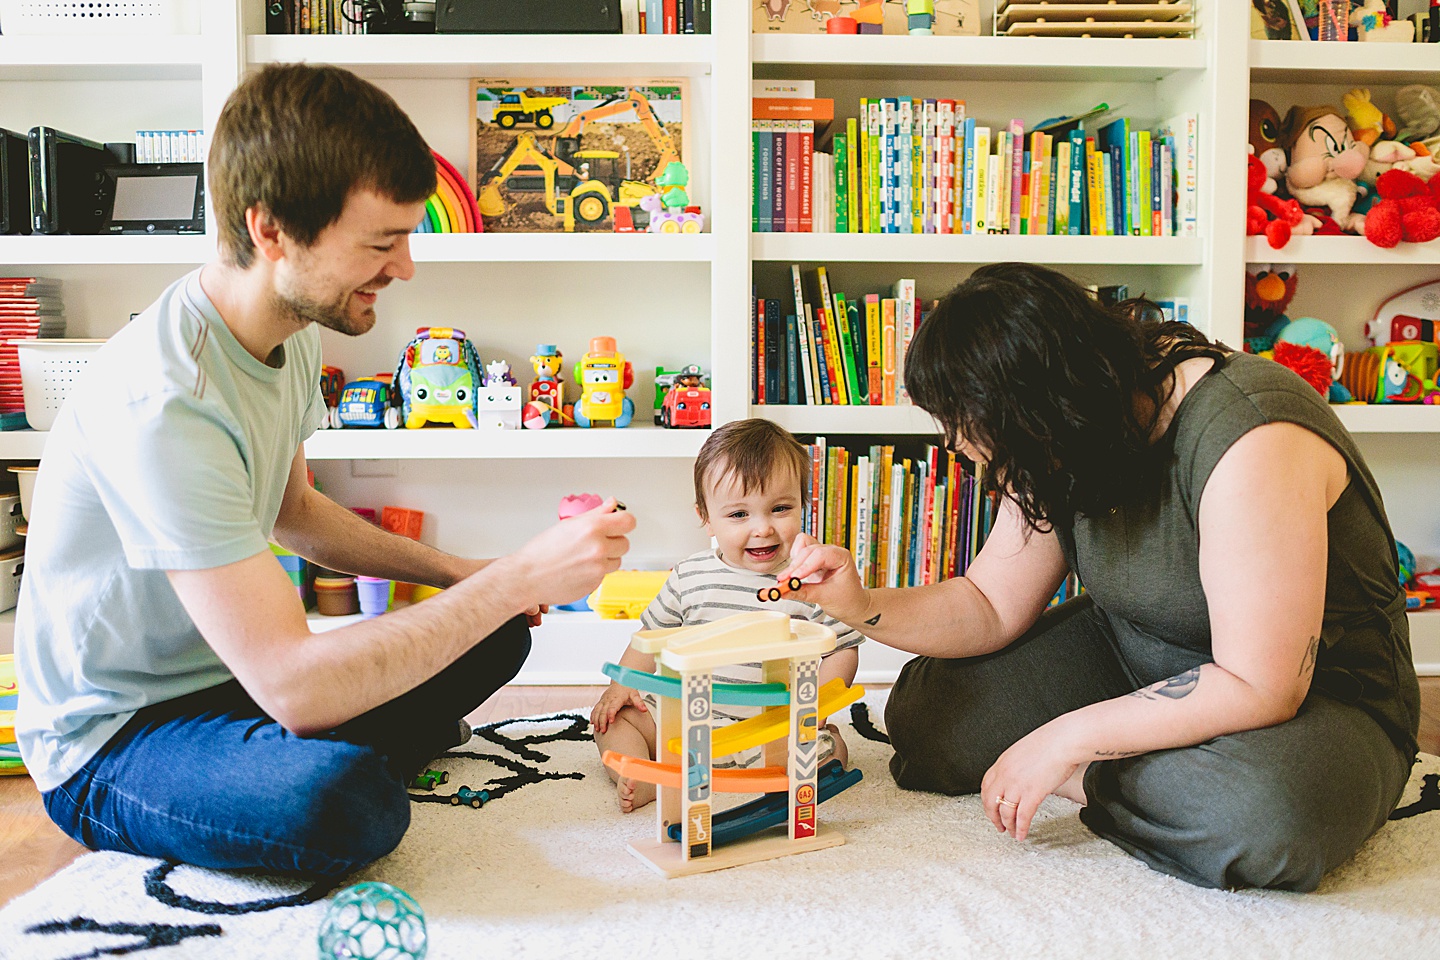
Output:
x=373 y=921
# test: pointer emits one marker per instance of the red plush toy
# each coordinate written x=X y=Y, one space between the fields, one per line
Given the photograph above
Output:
x=1312 y=365
x=1407 y=209
x=1266 y=214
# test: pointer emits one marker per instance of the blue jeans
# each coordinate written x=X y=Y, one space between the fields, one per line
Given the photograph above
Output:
x=209 y=779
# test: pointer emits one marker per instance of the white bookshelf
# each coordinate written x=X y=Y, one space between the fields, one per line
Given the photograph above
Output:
x=1342 y=250
x=971 y=248
x=101 y=58
x=103 y=250
x=679 y=299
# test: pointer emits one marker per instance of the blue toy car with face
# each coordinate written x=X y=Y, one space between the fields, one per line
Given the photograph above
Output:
x=366 y=403
x=475 y=798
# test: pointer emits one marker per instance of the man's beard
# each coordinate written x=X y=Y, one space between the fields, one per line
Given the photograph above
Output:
x=331 y=315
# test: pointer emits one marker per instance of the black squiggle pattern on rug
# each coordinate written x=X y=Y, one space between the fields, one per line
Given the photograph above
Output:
x=157 y=887
x=574 y=730
x=1429 y=799
x=523 y=773
x=860 y=719
x=153 y=934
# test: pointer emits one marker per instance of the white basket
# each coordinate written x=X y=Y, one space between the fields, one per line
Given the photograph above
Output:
x=48 y=372
x=70 y=17
x=12 y=564
x=10 y=520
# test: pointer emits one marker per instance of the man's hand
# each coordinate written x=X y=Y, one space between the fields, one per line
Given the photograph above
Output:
x=615 y=698
x=568 y=560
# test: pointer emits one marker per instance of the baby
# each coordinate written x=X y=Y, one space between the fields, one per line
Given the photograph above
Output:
x=749 y=478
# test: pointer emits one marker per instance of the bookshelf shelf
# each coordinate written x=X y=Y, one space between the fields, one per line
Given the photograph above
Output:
x=462 y=57
x=572 y=247
x=638 y=441
x=1032 y=59
x=974 y=248
x=1389 y=418
x=22 y=444
x=1354 y=250
x=827 y=420
x=1282 y=61
x=19 y=251
x=100 y=58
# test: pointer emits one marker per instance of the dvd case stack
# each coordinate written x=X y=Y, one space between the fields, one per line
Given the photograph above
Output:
x=30 y=308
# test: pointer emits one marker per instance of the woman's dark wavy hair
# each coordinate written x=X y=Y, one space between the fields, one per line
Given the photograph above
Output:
x=1062 y=390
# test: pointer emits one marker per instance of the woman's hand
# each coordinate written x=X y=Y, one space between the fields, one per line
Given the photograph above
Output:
x=612 y=701
x=831 y=580
x=1033 y=768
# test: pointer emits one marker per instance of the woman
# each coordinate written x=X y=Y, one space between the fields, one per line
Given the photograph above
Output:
x=1233 y=700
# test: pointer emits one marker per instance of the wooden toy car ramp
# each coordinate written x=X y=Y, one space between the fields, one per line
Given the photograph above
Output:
x=755 y=637
x=759 y=780
x=774 y=724
x=730 y=694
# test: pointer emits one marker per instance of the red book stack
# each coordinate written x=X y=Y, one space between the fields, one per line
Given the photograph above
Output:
x=29 y=308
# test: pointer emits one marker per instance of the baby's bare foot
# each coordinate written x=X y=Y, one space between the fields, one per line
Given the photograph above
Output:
x=633 y=794
x=842 y=752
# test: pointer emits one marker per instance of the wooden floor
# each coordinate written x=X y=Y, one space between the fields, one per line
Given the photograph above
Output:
x=32 y=849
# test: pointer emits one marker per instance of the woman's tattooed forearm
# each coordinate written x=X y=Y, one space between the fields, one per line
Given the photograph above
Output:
x=1307 y=662
x=1175 y=688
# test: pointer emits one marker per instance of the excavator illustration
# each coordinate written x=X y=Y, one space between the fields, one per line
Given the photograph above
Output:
x=580 y=186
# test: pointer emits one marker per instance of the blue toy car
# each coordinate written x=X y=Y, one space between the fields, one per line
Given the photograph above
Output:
x=476 y=798
x=366 y=403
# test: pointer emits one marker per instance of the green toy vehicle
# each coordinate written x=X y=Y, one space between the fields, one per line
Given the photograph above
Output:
x=429 y=780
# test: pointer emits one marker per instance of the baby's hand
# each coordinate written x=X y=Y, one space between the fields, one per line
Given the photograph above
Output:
x=615 y=698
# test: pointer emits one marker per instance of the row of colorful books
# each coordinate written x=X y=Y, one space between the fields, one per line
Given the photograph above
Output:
x=830 y=347
x=910 y=518
x=10 y=761
x=912 y=165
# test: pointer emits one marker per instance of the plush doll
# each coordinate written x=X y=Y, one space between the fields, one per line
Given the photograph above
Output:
x=1394 y=155
x=1373 y=24
x=1265 y=143
x=1266 y=214
x=1368 y=123
x=1297 y=345
x=1324 y=162
x=1419 y=106
x=1269 y=288
x=1407 y=209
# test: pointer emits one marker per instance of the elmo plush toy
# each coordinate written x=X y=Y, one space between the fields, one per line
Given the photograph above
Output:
x=1408 y=209
x=1269 y=288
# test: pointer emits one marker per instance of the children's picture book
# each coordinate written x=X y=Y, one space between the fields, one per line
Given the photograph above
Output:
x=551 y=156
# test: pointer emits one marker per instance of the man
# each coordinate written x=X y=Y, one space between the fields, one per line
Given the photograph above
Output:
x=176 y=705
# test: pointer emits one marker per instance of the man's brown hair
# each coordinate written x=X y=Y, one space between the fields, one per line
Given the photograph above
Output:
x=752 y=451
x=296 y=139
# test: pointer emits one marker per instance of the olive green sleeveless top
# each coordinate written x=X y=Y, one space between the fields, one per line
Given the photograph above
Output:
x=1141 y=564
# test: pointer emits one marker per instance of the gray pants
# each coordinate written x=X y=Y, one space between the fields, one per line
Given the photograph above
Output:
x=1276 y=807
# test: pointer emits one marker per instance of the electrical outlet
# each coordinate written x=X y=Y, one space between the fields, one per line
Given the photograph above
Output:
x=372 y=468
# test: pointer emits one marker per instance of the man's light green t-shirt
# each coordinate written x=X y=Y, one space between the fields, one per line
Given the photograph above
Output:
x=173 y=454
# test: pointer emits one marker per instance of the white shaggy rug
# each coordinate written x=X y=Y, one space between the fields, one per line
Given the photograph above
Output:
x=543 y=871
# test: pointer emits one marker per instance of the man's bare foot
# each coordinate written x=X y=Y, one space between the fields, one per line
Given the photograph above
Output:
x=842 y=752
x=633 y=794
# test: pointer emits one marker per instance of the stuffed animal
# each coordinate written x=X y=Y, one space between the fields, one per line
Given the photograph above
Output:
x=1407 y=209
x=1266 y=214
x=1394 y=155
x=1368 y=123
x=1373 y=24
x=1269 y=288
x=1324 y=162
x=1298 y=340
x=1265 y=143
x=1419 y=107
